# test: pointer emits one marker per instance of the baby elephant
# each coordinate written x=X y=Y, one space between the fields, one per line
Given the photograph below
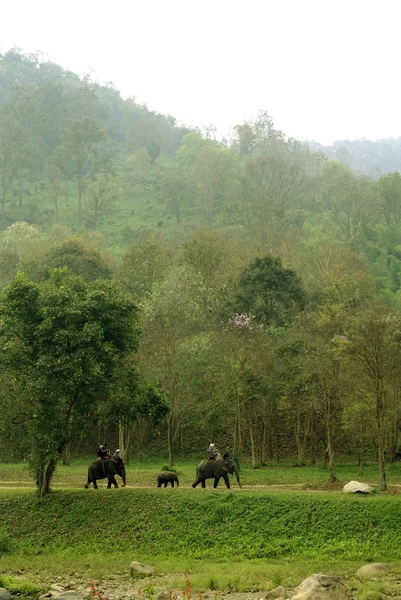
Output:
x=165 y=477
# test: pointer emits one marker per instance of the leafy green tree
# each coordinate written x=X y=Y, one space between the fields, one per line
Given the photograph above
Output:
x=269 y=291
x=64 y=341
x=212 y=170
x=375 y=350
x=78 y=153
x=389 y=195
x=81 y=260
x=12 y=153
x=102 y=193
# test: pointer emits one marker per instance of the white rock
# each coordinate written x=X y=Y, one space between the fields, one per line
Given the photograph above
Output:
x=321 y=587
x=372 y=570
x=354 y=487
x=137 y=568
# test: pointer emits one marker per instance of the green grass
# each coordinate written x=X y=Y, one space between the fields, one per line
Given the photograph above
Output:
x=196 y=524
x=237 y=540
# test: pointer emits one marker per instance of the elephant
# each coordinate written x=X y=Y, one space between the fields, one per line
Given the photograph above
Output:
x=105 y=468
x=214 y=469
x=165 y=477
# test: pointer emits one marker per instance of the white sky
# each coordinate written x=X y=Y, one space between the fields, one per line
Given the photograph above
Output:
x=323 y=69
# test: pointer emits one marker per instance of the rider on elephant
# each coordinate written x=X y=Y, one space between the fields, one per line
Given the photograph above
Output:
x=117 y=457
x=213 y=453
x=103 y=453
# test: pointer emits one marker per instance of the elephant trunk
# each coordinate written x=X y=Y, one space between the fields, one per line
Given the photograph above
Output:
x=237 y=476
x=123 y=477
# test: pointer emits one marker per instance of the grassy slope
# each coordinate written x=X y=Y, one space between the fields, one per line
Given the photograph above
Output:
x=173 y=523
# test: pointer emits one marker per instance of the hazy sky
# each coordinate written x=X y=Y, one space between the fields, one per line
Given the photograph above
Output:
x=323 y=69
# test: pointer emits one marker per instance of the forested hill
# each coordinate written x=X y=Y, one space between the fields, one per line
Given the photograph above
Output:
x=373 y=158
x=262 y=276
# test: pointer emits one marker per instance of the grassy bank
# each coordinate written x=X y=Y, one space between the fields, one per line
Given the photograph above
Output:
x=172 y=523
x=223 y=539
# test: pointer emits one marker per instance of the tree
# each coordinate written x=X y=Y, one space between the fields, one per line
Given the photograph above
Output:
x=269 y=291
x=12 y=141
x=389 y=193
x=78 y=153
x=211 y=171
x=81 y=259
x=375 y=349
x=63 y=340
x=102 y=192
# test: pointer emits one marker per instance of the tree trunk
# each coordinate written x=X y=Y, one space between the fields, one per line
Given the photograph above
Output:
x=66 y=456
x=124 y=436
x=3 y=208
x=253 y=453
x=170 y=440
x=79 y=202
x=380 y=440
x=361 y=449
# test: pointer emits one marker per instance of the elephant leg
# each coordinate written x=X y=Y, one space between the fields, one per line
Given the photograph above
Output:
x=159 y=484
x=216 y=482
x=95 y=484
x=112 y=480
x=172 y=483
x=203 y=483
x=165 y=484
x=87 y=484
x=195 y=483
x=226 y=480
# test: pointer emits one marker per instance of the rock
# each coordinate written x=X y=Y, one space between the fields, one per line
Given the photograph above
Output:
x=356 y=487
x=4 y=594
x=69 y=595
x=138 y=569
x=321 y=587
x=372 y=570
x=278 y=592
x=56 y=588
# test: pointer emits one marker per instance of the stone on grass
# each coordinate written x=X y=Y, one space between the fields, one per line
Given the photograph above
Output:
x=356 y=487
x=69 y=595
x=4 y=594
x=321 y=587
x=372 y=570
x=278 y=592
x=137 y=569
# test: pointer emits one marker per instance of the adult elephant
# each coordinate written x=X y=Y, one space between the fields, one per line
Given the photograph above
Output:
x=105 y=469
x=214 y=469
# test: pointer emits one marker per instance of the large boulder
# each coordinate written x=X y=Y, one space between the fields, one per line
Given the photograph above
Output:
x=372 y=570
x=356 y=487
x=321 y=587
x=4 y=594
x=137 y=569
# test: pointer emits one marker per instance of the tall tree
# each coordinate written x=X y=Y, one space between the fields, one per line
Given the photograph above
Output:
x=78 y=153
x=64 y=341
x=12 y=153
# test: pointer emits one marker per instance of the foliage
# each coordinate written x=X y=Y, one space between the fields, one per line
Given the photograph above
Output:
x=63 y=340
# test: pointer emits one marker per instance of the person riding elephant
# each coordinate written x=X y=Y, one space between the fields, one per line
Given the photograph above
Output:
x=165 y=477
x=215 y=469
x=106 y=469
